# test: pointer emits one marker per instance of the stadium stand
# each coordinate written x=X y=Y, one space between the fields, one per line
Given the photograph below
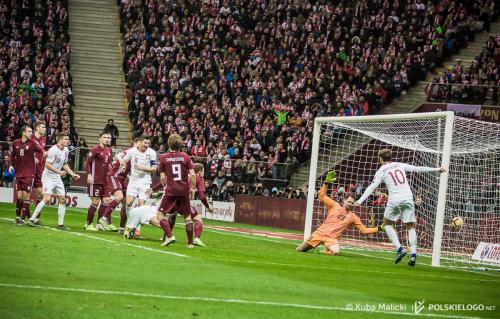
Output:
x=477 y=83
x=246 y=81
x=35 y=57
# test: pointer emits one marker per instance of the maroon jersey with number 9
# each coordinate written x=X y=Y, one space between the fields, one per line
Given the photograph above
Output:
x=176 y=166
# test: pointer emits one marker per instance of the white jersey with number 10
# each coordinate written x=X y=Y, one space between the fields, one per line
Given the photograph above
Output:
x=393 y=175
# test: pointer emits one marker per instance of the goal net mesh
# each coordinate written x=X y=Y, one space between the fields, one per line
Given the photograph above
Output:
x=351 y=148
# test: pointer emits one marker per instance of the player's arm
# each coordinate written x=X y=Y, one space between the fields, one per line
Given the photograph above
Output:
x=50 y=167
x=70 y=171
x=12 y=156
x=423 y=169
x=203 y=198
x=331 y=177
x=192 y=176
x=88 y=167
x=124 y=157
x=366 y=230
x=370 y=189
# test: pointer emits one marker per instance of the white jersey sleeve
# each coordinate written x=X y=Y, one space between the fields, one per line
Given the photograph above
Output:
x=57 y=158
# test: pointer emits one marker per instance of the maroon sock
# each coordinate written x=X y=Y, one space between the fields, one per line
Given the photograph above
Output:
x=91 y=213
x=198 y=228
x=171 y=221
x=19 y=207
x=26 y=207
x=109 y=210
x=101 y=211
x=166 y=228
x=189 y=231
x=123 y=217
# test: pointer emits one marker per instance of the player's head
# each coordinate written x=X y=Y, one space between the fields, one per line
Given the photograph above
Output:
x=105 y=138
x=40 y=128
x=349 y=200
x=175 y=142
x=136 y=142
x=26 y=132
x=62 y=139
x=144 y=143
x=385 y=155
x=199 y=169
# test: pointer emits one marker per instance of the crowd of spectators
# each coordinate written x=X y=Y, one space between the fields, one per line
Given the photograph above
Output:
x=34 y=67
x=243 y=80
x=35 y=83
x=477 y=83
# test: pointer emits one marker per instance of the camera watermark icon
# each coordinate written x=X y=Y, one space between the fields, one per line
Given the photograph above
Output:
x=418 y=306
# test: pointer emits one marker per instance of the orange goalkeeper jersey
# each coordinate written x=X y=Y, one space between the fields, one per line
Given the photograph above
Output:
x=338 y=219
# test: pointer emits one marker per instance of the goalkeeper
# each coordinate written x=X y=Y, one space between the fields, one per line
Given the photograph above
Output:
x=339 y=218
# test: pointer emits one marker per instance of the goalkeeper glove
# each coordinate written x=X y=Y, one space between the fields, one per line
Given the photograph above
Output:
x=331 y=177
x=381 y=228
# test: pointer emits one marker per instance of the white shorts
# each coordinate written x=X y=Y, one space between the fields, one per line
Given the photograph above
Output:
x=404 y=210
x=53 y=187
x=141 y=216
x=138 y=190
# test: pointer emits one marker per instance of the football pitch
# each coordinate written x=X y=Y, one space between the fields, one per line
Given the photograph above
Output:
x=48 y=273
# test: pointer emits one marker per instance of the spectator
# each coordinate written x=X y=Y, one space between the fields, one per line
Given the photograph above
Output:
x=113 y=130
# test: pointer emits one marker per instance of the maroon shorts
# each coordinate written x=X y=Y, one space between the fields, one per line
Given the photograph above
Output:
x=24 y=184
x=98 y=190
x=116 y=184
x=177 y=204
x=37 y=183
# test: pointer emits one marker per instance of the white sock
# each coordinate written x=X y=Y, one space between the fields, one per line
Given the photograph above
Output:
x=412 y=240
x=393 y=236
x=61 y=210
x=37 y=211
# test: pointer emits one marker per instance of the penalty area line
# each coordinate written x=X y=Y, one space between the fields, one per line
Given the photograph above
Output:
x=75 y=233
x=347 y=308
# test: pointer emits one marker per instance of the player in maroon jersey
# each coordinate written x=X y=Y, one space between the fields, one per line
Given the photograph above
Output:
x=117 y=180
x=97 y=167
x=22 y=155
x=40 y=139
x=178 y=177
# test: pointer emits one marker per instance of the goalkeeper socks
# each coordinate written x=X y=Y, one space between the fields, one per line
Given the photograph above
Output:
x=37 y=211
x=393 y=236
x=412 y=240
x=61 y=210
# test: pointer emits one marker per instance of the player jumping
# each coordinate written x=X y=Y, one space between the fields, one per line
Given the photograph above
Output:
x=57 y=159
x=339 y=218
x=97 y=167
x=400 y=204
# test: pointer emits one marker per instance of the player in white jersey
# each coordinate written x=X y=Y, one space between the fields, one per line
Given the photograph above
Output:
x=400 y=204
x=143 y=162
x=142 y=215
x=56 y=166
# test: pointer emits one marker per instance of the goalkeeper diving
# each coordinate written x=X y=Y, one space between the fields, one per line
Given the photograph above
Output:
x=339 y=218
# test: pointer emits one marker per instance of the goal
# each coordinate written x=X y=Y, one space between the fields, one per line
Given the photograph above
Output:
x=467 y=148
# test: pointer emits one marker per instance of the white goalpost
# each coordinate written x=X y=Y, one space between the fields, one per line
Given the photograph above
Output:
x=470 y=189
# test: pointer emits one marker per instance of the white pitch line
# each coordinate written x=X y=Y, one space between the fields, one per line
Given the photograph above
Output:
x=107 y=240
x=230 y=301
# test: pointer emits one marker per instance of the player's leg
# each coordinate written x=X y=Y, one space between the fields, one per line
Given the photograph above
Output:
x=38 y=209
x=409 y=220
x=312 y=242
x=133 y=221
x=188 y=223
x=123 y=215
x=167 y=206
x=61 y=211
x=116 y=189
x=142 y=197
x=91 y=212
x=105 y=220
x=198 y=230
x=333 y=247
x=25 y=212
x=305 y=246
x=391 y=215
x=37 y=185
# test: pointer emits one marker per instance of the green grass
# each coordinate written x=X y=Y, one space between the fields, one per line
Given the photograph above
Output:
x=52 y=274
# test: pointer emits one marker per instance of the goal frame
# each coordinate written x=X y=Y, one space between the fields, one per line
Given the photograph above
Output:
x=446 y=116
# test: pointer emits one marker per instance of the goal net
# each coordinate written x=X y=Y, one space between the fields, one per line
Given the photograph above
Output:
x=470 y=189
